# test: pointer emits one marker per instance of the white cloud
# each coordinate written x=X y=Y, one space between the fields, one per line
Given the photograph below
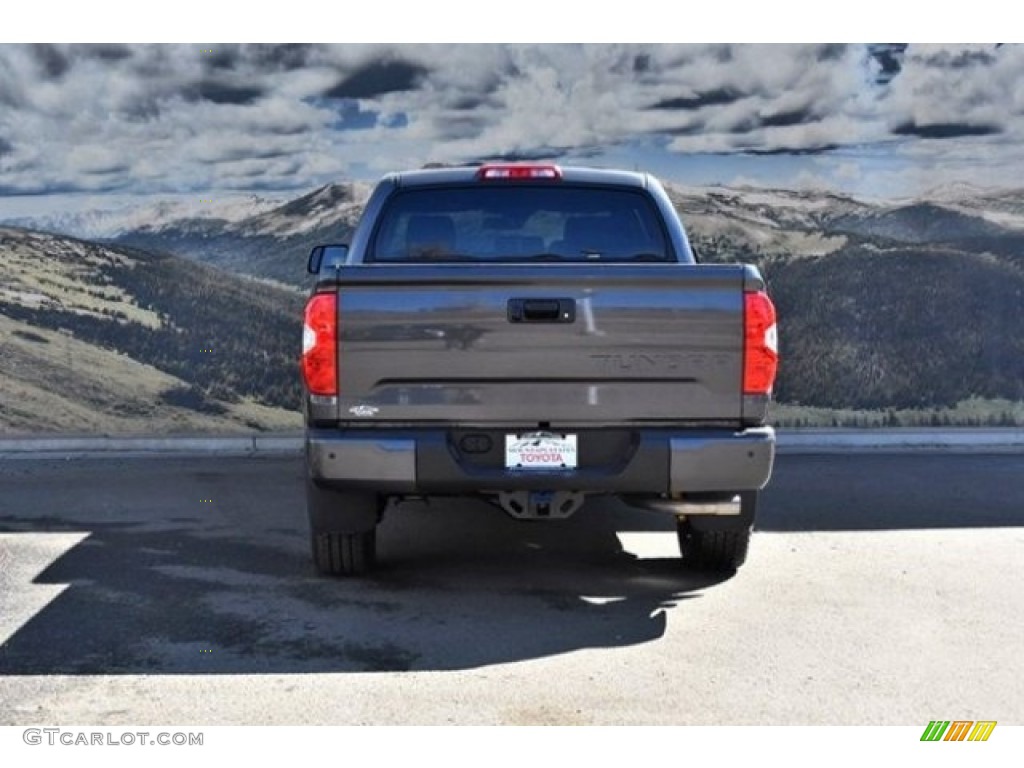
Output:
x=960 y=85
x=96 y=159
x=154 y=118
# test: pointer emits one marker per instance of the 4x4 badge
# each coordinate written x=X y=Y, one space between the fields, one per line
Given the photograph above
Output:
x=363 y=410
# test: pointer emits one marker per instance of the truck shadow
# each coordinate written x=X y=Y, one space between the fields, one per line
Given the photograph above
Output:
x=460 y=586
x=164 y=584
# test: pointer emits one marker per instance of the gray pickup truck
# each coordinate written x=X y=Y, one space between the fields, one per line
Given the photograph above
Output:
x=533 y=336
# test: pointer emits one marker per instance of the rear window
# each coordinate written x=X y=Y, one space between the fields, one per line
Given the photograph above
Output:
x=519 y=223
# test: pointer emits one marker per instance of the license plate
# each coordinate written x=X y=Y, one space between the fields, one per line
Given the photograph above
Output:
x=540 y=450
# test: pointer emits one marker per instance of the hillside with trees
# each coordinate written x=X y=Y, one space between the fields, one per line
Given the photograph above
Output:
x=890 y=313
x=222 y=349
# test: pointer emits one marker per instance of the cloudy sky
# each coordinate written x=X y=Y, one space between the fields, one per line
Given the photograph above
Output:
x=873 y=120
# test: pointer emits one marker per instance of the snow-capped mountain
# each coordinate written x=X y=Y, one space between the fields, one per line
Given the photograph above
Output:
x=257 y=235
x=758 y=220
x=787 y=223
x=271 y=238
x=324 y=207
x=270 y=243
x=116 y=217
x=335 y=205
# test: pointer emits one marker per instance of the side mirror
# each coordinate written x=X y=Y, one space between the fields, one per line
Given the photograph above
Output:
x=326 y=257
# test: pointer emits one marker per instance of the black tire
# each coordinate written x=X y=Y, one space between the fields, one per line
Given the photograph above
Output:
x=345 y=554
x=718 y=544
x=343 y=529
x=720 y=551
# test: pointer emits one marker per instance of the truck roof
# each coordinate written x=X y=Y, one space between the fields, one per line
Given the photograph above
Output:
x=468 y=174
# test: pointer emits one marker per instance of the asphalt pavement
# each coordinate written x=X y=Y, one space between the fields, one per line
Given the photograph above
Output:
x=881 y=589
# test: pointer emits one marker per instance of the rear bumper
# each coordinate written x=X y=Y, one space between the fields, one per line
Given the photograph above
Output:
x=721 y=461
x=654 y=461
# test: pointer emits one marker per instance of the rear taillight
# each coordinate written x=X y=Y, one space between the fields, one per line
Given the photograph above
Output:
x=320 y=345
x=761 y=345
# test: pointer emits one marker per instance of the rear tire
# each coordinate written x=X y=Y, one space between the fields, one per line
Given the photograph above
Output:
x=343 y=529
x=718 y=544
x=721 y=551
x=345 y=554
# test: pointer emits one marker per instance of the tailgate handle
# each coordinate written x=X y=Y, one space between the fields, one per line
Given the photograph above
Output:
x=541 y=310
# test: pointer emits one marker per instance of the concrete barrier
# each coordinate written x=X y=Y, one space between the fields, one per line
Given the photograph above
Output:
x=803 y=441
x=902 y=440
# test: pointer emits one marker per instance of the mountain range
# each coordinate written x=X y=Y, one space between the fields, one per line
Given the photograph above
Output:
x=912 y=304
x=905 y=304
x=270 y=238
x=270 y=243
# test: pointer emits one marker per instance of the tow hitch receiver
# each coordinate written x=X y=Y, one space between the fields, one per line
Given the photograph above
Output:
x=540 y=505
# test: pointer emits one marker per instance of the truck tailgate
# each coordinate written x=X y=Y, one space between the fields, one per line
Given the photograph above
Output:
x=525 y=344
